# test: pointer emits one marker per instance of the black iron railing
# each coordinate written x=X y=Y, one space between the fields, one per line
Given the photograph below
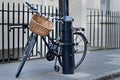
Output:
x=14 y=32
x=103 y=28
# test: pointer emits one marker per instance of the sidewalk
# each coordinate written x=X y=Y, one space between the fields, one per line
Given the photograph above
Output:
x=97 y=65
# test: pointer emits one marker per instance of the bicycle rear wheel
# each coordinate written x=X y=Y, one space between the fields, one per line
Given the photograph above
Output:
x=80 y=49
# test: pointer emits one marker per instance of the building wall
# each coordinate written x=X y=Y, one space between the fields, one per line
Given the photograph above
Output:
x=23 y=1
x=94 y=4
x=76 y=12
x=115 y=5
x=40 y=2
x=78 y=8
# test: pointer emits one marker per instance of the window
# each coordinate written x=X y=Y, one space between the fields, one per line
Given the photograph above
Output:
x=105 y=4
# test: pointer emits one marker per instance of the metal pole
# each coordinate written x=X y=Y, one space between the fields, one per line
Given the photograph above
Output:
x=67 y=38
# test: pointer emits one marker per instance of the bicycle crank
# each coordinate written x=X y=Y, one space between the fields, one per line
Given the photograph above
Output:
x=50 y=55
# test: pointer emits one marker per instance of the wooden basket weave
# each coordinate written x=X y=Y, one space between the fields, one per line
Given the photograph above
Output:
x=40 y=25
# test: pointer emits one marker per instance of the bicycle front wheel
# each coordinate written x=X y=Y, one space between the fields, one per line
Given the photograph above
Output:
x=80 y=48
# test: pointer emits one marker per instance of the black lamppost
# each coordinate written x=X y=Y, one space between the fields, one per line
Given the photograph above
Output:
x=67 y=38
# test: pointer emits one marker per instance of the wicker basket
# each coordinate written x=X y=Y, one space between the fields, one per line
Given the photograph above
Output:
x=39 y=25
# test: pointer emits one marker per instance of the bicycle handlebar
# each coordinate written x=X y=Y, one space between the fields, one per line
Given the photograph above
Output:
x=30 y=6
x=35 y=10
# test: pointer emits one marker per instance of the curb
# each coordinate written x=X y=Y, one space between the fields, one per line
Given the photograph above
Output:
x=107 y=75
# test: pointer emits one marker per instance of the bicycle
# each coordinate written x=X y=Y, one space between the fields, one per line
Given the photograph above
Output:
x=55 y=48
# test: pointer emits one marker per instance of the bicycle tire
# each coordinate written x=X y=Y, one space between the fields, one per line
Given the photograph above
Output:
x=79 y=60
x=21 y=66
x=26 y=53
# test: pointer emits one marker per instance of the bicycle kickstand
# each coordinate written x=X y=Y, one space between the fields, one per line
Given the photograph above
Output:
x=56 y=67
